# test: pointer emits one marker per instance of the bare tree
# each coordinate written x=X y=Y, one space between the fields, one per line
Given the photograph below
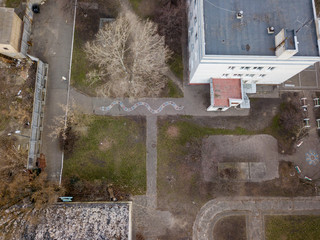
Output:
x=133 y=55
x=170 y=18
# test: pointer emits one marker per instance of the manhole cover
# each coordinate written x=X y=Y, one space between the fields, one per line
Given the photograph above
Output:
x=312 y=158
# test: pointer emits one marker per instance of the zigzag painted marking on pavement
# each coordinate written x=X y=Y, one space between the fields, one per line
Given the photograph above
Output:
x=153 y=111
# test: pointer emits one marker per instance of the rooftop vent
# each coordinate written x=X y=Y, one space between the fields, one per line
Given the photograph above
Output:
x=270 y=30
x=239 y=14
x=286 y=44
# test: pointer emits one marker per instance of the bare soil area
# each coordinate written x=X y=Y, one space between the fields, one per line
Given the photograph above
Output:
x=182 y=189
x=16 y=95
x=230 y=228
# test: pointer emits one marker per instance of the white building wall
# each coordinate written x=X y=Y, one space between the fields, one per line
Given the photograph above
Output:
x=259 y=71
x=195 y=34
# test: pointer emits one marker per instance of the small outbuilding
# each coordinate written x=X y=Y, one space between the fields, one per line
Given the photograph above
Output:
x=11 y=27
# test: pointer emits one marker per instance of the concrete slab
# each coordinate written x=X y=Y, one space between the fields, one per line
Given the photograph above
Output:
x=233 y=171
x=308 y=79
x=294 y=81
x=240 y=158
x=258 y=171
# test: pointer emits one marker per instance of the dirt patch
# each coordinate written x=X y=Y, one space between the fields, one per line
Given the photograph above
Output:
x=106 y=144
x=147 y=8
x=173 y=132
x=230 y=228
x=262 y=112
x=182 y=189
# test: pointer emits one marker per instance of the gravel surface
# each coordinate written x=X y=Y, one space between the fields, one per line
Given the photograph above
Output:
x=79 y=221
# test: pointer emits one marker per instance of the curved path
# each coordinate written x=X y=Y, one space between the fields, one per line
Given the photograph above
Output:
x=255 y=208
x=153 y=111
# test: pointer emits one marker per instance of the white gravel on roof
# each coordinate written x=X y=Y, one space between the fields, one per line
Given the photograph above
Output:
x=85 y=221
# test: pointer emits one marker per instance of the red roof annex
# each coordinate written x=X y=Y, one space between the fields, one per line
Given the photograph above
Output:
x=224 y=89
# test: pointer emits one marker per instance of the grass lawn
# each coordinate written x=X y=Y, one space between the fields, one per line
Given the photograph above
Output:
x=231 y=227
x=176 y=141
x=176 y=65
x=292 y=227
x=173 y=90
x=111 y=149
x=181 y=187
x=80 y=67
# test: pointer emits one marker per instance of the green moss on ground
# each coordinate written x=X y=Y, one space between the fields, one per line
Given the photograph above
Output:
x=12 y=3
x=173 y=90
x=113 y=150
x=292 y=227
x=176 y=65
x=80 y=67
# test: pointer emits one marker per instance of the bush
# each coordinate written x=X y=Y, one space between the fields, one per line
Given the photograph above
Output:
x=67 y=140
x=170 y=18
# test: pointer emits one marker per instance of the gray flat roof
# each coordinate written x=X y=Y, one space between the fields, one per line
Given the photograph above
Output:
x=227 y=35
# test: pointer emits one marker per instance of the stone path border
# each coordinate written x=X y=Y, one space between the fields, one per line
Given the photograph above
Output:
x=153 y=111
x=255 y=208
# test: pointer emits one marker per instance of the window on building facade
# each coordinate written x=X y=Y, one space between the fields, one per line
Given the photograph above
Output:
x=195 y=19
x=245 y=68
x=271 y=68
x=225 y=75
x=262 y=75
x=237 y=75
x=257 y=68
x=249 y=75
x=231 y=68
x=196 y=36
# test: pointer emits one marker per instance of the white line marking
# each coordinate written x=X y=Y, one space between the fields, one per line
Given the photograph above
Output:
x=68 y=88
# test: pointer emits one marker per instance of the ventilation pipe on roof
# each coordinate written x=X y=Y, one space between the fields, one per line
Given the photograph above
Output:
x=239 y=15
x=270 y=30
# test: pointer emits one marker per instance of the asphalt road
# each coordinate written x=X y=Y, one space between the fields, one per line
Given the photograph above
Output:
x=52 y=37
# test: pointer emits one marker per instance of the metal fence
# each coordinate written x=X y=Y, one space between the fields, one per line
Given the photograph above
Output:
x=37 y=113
x=27 y=24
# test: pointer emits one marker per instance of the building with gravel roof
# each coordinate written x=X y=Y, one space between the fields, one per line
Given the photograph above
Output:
x=97 y=220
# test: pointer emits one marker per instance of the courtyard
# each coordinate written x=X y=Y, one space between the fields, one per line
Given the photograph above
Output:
x=168 y=155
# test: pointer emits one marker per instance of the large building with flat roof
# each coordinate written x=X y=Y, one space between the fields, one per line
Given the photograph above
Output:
x=259 y=42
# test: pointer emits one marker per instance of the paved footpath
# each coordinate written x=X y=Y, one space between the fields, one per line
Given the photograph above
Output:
x=152 y=161
x=255 y=208
x=191 y=105
x=145 y=213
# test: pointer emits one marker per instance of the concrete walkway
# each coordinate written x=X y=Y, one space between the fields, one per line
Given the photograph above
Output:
x=255 y=207
x=152 y=129
x=194 y=105
x=51 y=37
